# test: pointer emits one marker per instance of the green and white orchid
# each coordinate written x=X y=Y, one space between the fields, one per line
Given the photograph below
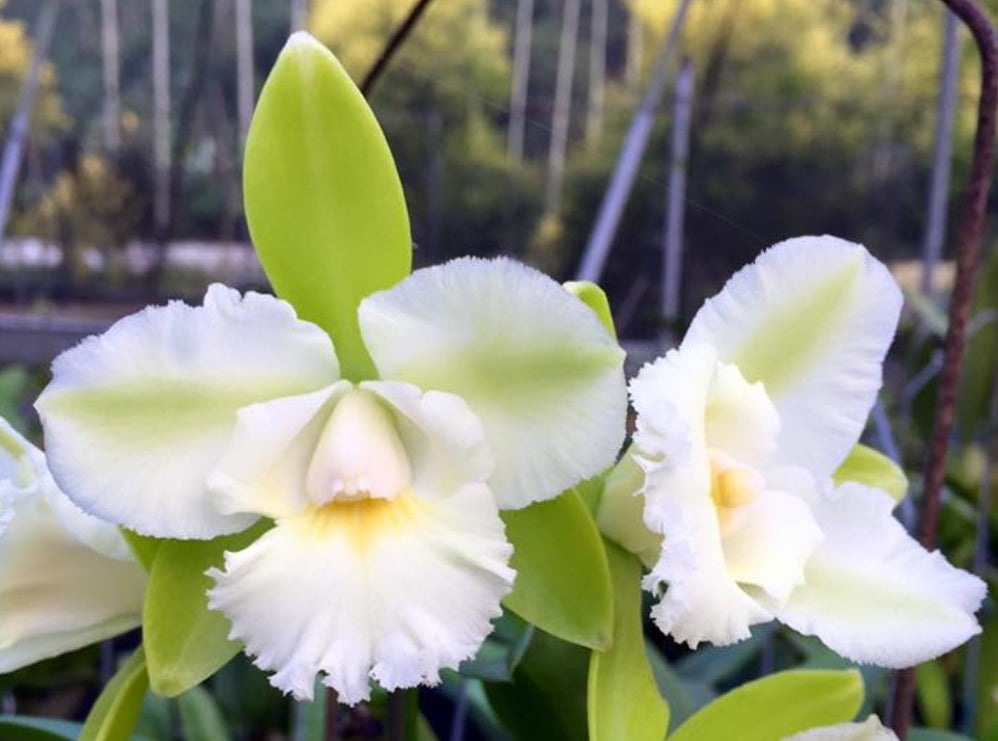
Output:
x=66 y=579
x=379 y=422
x=739 y=431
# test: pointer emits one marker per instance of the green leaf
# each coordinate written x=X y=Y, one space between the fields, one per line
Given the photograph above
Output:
x=24 y=728
x=987 y=679
x=309 y=718
x=594 y=297
x=323 y=199
x=200 y=717
x=143 y=546
x=546 y=701
x=624 y=702
x=116 y=711
x=185 y=641
x=685 y=696
x=501 y=652
x=872 y=468
x=563 y=579
x=933 y=695
x=777 y=706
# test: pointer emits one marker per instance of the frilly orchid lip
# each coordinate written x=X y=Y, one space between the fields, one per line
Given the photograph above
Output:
x=739 y=432
x=66 y=579
x=388 y=559
x=869 y=730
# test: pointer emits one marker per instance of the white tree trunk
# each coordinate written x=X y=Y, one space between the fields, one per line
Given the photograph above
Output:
x=112 y=75
x=245 y=76
x=672 y=258
x=521 y=76
x=161 y=113
x=561 y=115
x=597 y=71
x=935 y=231
x=626 y=169
x=17 y=131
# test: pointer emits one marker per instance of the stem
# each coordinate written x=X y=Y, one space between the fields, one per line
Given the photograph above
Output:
x=967 y=251
x=397 y=39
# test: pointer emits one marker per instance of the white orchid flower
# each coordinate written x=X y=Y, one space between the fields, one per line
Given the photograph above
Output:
x=388 y=559
x=739 y=432
x=870 y=730
x=66 y=579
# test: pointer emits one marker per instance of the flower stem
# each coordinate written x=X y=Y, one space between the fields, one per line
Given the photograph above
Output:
x=968 y=248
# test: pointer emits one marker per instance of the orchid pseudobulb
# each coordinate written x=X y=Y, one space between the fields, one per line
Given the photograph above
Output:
x=66 y=579
x=739 y=431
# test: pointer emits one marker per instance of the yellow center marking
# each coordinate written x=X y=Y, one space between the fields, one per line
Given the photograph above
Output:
x=364 y=521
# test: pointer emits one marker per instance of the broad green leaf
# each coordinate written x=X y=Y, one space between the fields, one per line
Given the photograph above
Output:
x=624 y=702
x=563 y=580
x=143 y=546
x=933 y=695
x=777 y=706
x=24 y=728
x=872 y=468
x=594 y=297
x=200 y=717
x=323 y=199
x=116 y=711
x=185 y=641
x=546 y=701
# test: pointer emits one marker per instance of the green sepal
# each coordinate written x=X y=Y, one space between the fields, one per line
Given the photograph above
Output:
x=185 y=641
x=143 y=547
x=114 y=715
x=777 y=706
x=623 y=698
x=872 y=468
x=324 y=203
x=593 y=296
x=563 y=579
x=200 y=716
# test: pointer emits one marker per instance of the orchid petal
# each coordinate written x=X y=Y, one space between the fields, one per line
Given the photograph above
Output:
x=811 y=319
x=58 y=593
x=620 y=515
x=771 y=542
x=873 y=594
x=532 y=361
x=264 y=470
x=703 y=602
x=136 y=418
x=870 y=730
x=386 y=590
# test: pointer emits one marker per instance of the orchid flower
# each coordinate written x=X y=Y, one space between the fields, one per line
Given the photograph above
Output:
x=66 y=579
x=739 y=431
x=387 y=559
x=870 y=730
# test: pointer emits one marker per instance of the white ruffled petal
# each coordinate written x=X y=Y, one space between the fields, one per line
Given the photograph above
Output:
x=531 y=360
x=770 y=543
x=873 y=594
x=870 y=730
x=811 y=319
x=702 y=602
x=58 y=594
x=136 y=418
x=264 y=469
x=386 y=590
x=740 y=418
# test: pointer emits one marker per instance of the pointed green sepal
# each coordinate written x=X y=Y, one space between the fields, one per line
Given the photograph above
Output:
x=869 y=467
x=114 y=715
x=623 y=698
x=323 y=198
x=563 y=579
